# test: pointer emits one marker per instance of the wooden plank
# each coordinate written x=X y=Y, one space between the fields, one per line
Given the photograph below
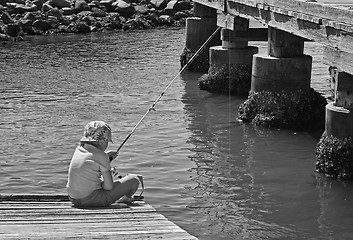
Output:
x=225 y=20
x=291 y=24
x=82 y=219
x=344 y=42
x=252 y=34
x=34 y=197
x=338 y=58
x=217 y=4
x=93 y=231
x=309 y=30
x=245 y=11
x=307 y=26
x=38 y=217
x=309 y=8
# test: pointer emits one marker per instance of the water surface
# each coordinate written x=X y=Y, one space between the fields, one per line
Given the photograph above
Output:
x=214 y=176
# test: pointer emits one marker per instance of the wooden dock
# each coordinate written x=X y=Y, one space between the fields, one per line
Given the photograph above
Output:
x=327 y=22
x=53 y=217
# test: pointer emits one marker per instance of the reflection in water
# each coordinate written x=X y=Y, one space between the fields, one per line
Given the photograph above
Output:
x=335 y=200
x=252 y=182
x=210 y=174
x=225 y=190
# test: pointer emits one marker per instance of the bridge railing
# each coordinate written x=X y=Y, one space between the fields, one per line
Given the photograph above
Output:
x=333 y=15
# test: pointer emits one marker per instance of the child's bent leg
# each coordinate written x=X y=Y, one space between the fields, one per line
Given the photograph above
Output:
x=126 y=186
x=130 y=183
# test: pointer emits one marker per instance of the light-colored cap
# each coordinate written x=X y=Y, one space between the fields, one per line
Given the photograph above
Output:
x=96 y=131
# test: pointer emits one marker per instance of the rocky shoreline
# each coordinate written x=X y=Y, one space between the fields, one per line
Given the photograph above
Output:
x=39 y=17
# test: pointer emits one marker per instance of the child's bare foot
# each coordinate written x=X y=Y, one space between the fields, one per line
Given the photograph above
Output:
x=126 y=200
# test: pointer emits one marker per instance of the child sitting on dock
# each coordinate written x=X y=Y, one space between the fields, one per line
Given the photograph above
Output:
x=90 y=181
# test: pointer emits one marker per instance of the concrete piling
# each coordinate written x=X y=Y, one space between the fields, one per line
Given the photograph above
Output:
x=280 y=93
x=285 y=68
x=335 y=148
x=230 y=63
x=198 y=29
x=279 y=82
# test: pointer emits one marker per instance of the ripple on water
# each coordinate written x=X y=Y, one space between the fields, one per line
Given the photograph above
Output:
x=214 y=176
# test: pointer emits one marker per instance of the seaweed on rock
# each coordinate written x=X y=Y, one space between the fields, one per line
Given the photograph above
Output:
x=294 y=110
x=227 y=79
x=200 y=64
x=335 y=157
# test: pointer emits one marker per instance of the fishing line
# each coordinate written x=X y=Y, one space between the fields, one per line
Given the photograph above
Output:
x=171 y=82
x=229 y=94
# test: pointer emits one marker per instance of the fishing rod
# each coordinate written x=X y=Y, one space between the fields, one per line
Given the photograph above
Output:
x=171 y=82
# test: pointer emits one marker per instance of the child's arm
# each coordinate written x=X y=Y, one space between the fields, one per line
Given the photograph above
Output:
x=107 y=183
x=112 y=155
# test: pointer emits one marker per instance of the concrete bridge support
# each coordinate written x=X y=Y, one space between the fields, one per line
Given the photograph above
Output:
x=280 y=93
x=230 y=63
x=198 y=29
x=339 y=114
x=285 y=68
x=335 y=148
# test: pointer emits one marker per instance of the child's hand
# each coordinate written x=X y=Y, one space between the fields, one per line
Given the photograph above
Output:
x=114 y=171
x=112 y=155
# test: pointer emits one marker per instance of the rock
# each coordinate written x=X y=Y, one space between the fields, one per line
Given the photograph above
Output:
x=60 y=3
x=53 y=22
x=39 y=3
x=41 y=25
x=31 y=8
x=142 y=9
x=55 y=13
x=82 y=27
x=142 y=23
x=166 y=20
x=97 y=12
x=6 y=18
x=84 y=14
x=4 y=37
x=139 y=22
x=153 y=18
x=65 y=21
x=92 y=4
x=159 y=4
x=67 y=11
x=106 y=3
x=23 y=2
x=20 y=8
x=169 y=9
x=115 y=21
x=32 y=16
x=2 y=8
x=181 y=15
x=69 y=19
x=13 y=30
x=123 y=7
x=183 y=5
x=46 y=7
x=175 y=6
x=26 y=25
x=88 y=19
x=3 y=2
x=81 y=5
x=97 y=3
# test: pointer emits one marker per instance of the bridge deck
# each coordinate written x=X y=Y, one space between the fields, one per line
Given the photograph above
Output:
x=328 y=22
x=45 y=217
